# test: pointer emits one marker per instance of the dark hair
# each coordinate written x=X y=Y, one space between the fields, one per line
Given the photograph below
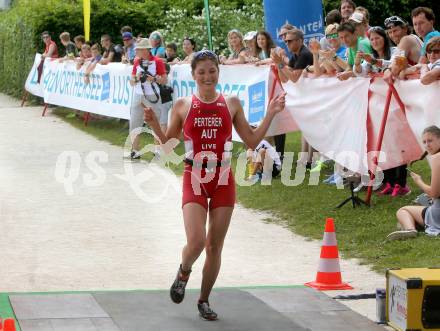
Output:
x=333 y=16
x=203 y=55
x=352 y=4
x=192 y=41
x=45 y=33
x=347 y=26
x=80 y=39
x=386 y=45
x=429 y=14
x=106 y=36
x=173 y=46
x=269 y=42
x=433 y=129
x=126 y=28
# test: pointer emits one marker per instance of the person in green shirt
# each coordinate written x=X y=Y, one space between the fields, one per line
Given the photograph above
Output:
x=355 y=44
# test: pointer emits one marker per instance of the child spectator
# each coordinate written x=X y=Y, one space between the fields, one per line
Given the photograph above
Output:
x=84 y=55
x=428 y=218
x=79 y=41
x=96 y=58
x=71 y=50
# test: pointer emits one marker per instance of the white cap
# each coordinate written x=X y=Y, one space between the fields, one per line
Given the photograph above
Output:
x=250 y=35
x=357 y=17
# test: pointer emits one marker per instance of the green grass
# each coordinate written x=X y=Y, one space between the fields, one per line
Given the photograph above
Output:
x=304 y=208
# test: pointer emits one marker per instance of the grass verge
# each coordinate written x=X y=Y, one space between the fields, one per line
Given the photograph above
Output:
x=304 y=208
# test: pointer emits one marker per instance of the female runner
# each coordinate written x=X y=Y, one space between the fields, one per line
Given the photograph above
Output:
x=206 y=119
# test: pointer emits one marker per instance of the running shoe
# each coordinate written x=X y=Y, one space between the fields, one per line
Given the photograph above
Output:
x=206 y=312
x=388 y=189
x=135 y=155
x=177 y=291
x=402 y=234
x=399 y=190
x=329 y=179
x=319 y=165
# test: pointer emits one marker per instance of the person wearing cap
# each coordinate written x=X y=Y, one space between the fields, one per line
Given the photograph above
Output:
x=361 y=24
x=355 y=44
x=148 y=71
x=399 y=32
x=250 y=41
x=423 y=21
x=157 y=48
x=129 y=45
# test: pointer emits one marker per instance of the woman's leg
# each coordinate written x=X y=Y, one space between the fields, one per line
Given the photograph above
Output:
x=219 y=220
x=194 y=217
x=401 y=174
x=408 y=216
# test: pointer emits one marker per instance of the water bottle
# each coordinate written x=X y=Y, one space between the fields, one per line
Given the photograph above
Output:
x=381 y=306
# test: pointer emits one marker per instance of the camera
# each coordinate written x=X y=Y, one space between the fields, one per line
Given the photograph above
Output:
x=145 y=73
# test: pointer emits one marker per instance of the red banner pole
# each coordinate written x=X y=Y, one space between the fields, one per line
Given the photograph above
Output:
x=379 y=142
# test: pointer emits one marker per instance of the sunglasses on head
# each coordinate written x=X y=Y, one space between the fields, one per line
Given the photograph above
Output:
x=375 y=28
x=393 y=20
x=205 y=53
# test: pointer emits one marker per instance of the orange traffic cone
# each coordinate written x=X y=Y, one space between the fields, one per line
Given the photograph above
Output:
x=9 y=324
x=328 y=276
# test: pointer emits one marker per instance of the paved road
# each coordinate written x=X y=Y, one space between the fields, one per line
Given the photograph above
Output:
x=102 y=235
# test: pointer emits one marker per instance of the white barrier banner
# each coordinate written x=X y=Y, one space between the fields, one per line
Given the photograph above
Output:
x=32 y=85
x=332 y=116
x=109 y=92
x=336 y=118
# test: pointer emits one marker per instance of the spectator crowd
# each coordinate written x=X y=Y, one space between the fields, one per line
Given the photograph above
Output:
x=350 y=48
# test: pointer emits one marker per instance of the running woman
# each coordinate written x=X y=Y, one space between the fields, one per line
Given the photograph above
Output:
x=206 y=119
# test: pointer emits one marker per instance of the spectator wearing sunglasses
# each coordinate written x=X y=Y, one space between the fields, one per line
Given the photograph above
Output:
x=360 y=19
x=333 y=17
x=423 y=21
x=380 y=57
x=431 y=72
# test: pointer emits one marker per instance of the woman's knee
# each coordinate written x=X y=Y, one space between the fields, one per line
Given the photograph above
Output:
x=196 y=247
x=214 y=249
x=402 y=211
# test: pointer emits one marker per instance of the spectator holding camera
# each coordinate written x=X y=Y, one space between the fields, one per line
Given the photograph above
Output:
x=148 y=72
x=379 y=59
x=428 y=218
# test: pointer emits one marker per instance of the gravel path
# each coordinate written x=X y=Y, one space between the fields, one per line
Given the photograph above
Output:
x=103 y=236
